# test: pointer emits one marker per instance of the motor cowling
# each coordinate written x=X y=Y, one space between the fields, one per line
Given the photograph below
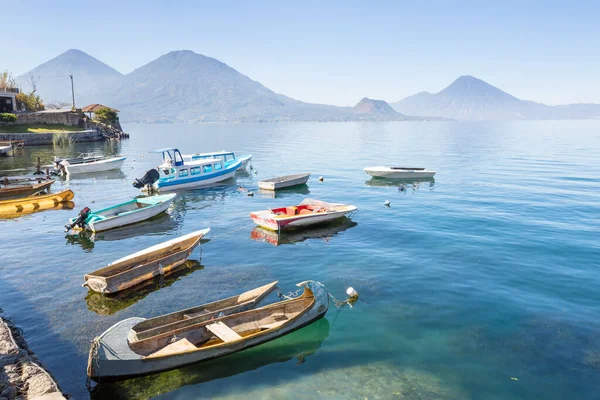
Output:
x=148 y=179
x=80 y=220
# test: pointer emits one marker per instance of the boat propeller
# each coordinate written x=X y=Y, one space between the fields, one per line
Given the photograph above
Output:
x=148 y=179
x=80 y=220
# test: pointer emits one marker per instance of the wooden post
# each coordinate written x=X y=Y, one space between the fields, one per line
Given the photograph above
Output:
x=38 y=166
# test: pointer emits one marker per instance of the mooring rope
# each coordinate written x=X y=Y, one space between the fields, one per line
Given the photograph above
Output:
x=230 y=232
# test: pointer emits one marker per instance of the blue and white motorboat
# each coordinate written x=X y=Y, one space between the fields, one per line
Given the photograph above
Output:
x=182 y=172
x=228 y=157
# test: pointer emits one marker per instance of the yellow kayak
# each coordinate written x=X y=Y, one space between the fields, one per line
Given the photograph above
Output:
x=17 y=207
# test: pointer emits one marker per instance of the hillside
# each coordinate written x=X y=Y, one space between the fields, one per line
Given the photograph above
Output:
x=90 y=76
x=469 y=98
x=377 y=110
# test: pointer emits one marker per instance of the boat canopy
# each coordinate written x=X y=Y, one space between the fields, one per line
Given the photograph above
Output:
x=175 y=156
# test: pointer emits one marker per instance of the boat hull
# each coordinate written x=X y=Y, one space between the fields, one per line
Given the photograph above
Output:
x=20 y=191
x=161 y=259
x=399 y=174
x=114 y=360
x=284 y=182
x=95 y=166
x=191 y=183
x=266 y=219
x=5 y=149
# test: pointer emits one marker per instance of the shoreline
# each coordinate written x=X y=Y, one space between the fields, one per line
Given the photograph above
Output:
x=21 y=375
x=38 y=139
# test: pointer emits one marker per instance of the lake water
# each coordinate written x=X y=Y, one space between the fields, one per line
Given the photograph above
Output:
x=481 y=285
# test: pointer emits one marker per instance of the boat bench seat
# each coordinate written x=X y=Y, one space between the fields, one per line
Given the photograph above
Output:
x=196 y=314
x=180 y=346
x=223 y=332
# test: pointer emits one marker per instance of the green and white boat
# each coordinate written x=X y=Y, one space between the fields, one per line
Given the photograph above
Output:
x=127 y=213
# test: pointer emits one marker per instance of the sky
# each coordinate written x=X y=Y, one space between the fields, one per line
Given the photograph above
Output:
x=331 y=52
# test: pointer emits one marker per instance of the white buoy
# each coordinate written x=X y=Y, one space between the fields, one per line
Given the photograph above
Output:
x=387 y=203
x=351 y=292
x=321 y=179
x=255 y=172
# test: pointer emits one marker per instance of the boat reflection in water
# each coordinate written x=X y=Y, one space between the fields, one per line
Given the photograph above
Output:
x=325 y=232
x=297 y=346
x=110 y=304
x=285 y=192
x=115 y=174
x=68 y=205
x=157 y=226
x=400 y=183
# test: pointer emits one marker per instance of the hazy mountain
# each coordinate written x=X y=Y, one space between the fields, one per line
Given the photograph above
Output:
x=90 y=76
x=376 y=110
x=469 y=98
x=184 y=86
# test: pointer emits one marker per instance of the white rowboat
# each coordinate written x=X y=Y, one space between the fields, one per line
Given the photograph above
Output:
x=88 y=162
x=399 y=172
x=284 y=181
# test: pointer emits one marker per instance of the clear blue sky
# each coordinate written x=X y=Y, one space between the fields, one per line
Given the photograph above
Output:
x=333 y=52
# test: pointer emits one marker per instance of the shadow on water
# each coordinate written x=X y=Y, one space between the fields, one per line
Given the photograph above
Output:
x=299 y=345
x=159 y=225
x=324 y=232
x=110 y=304
x=286 y=192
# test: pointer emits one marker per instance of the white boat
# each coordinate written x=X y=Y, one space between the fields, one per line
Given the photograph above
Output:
x=308 y=212
x=115 y=355
x=177 y=172
x=228 y=157
x=5 y=149
x=86 y=163
x=284 y=181
x=399 y=172
x=127 y=213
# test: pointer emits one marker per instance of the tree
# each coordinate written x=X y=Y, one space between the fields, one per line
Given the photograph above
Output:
x=29 y=102
x=106 y=116
x=57 y=106
x=7 y=80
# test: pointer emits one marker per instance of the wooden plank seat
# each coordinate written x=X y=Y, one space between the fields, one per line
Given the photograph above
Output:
x=179 y=346
x=223 y=332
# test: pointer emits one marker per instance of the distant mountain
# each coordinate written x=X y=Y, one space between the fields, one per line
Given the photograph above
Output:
x=183 y=86
x=90 y=76
x=469 y=98
x=376 y=108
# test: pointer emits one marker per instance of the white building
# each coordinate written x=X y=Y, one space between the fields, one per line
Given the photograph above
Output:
x=8 y=100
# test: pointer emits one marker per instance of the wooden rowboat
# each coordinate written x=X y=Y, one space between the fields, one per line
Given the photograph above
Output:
x=88 y=162
x=308 y=212
x=399 y=172
x=160 y=326
x=35 y=203
x=113 y=356
x=18 y=191
x=127 y=213
x=144 y=265
x=284 y=181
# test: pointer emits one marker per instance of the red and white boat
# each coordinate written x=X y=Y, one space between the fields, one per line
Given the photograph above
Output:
x=309 y=212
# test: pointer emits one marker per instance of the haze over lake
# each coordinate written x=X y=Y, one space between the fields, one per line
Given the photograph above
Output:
x=480 y=285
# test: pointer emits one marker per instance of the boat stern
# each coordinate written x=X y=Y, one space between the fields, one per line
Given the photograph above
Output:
x=265 y=219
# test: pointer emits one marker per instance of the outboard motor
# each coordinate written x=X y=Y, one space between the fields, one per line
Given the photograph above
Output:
x=148 y=179
x=80 y=220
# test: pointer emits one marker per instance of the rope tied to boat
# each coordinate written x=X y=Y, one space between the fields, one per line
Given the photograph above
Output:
x=93 y=359
x=232 y=231
x=337 y=303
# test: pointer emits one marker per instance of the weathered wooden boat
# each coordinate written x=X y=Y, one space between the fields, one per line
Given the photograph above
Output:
x=114 y=356
x=144 y=265
x=399 y=172
x=308 y=212
x=35 y=203
x=284 y=181
x=164 y=324
x=127 y=213
x=20 y=190
x=86 y=163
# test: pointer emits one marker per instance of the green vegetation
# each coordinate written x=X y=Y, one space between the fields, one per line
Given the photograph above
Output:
x=39 y=128
x=61 y=139
x=106 y=116
x=7 y=80
x=29 y=101
x=8 y=117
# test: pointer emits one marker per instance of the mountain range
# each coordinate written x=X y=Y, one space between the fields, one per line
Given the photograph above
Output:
x=183 y=86
x=469 y=98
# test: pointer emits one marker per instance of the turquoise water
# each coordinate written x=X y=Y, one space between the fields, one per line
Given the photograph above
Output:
x=480 y=285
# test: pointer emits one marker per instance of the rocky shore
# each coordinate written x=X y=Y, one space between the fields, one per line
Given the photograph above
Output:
x=21 y=376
